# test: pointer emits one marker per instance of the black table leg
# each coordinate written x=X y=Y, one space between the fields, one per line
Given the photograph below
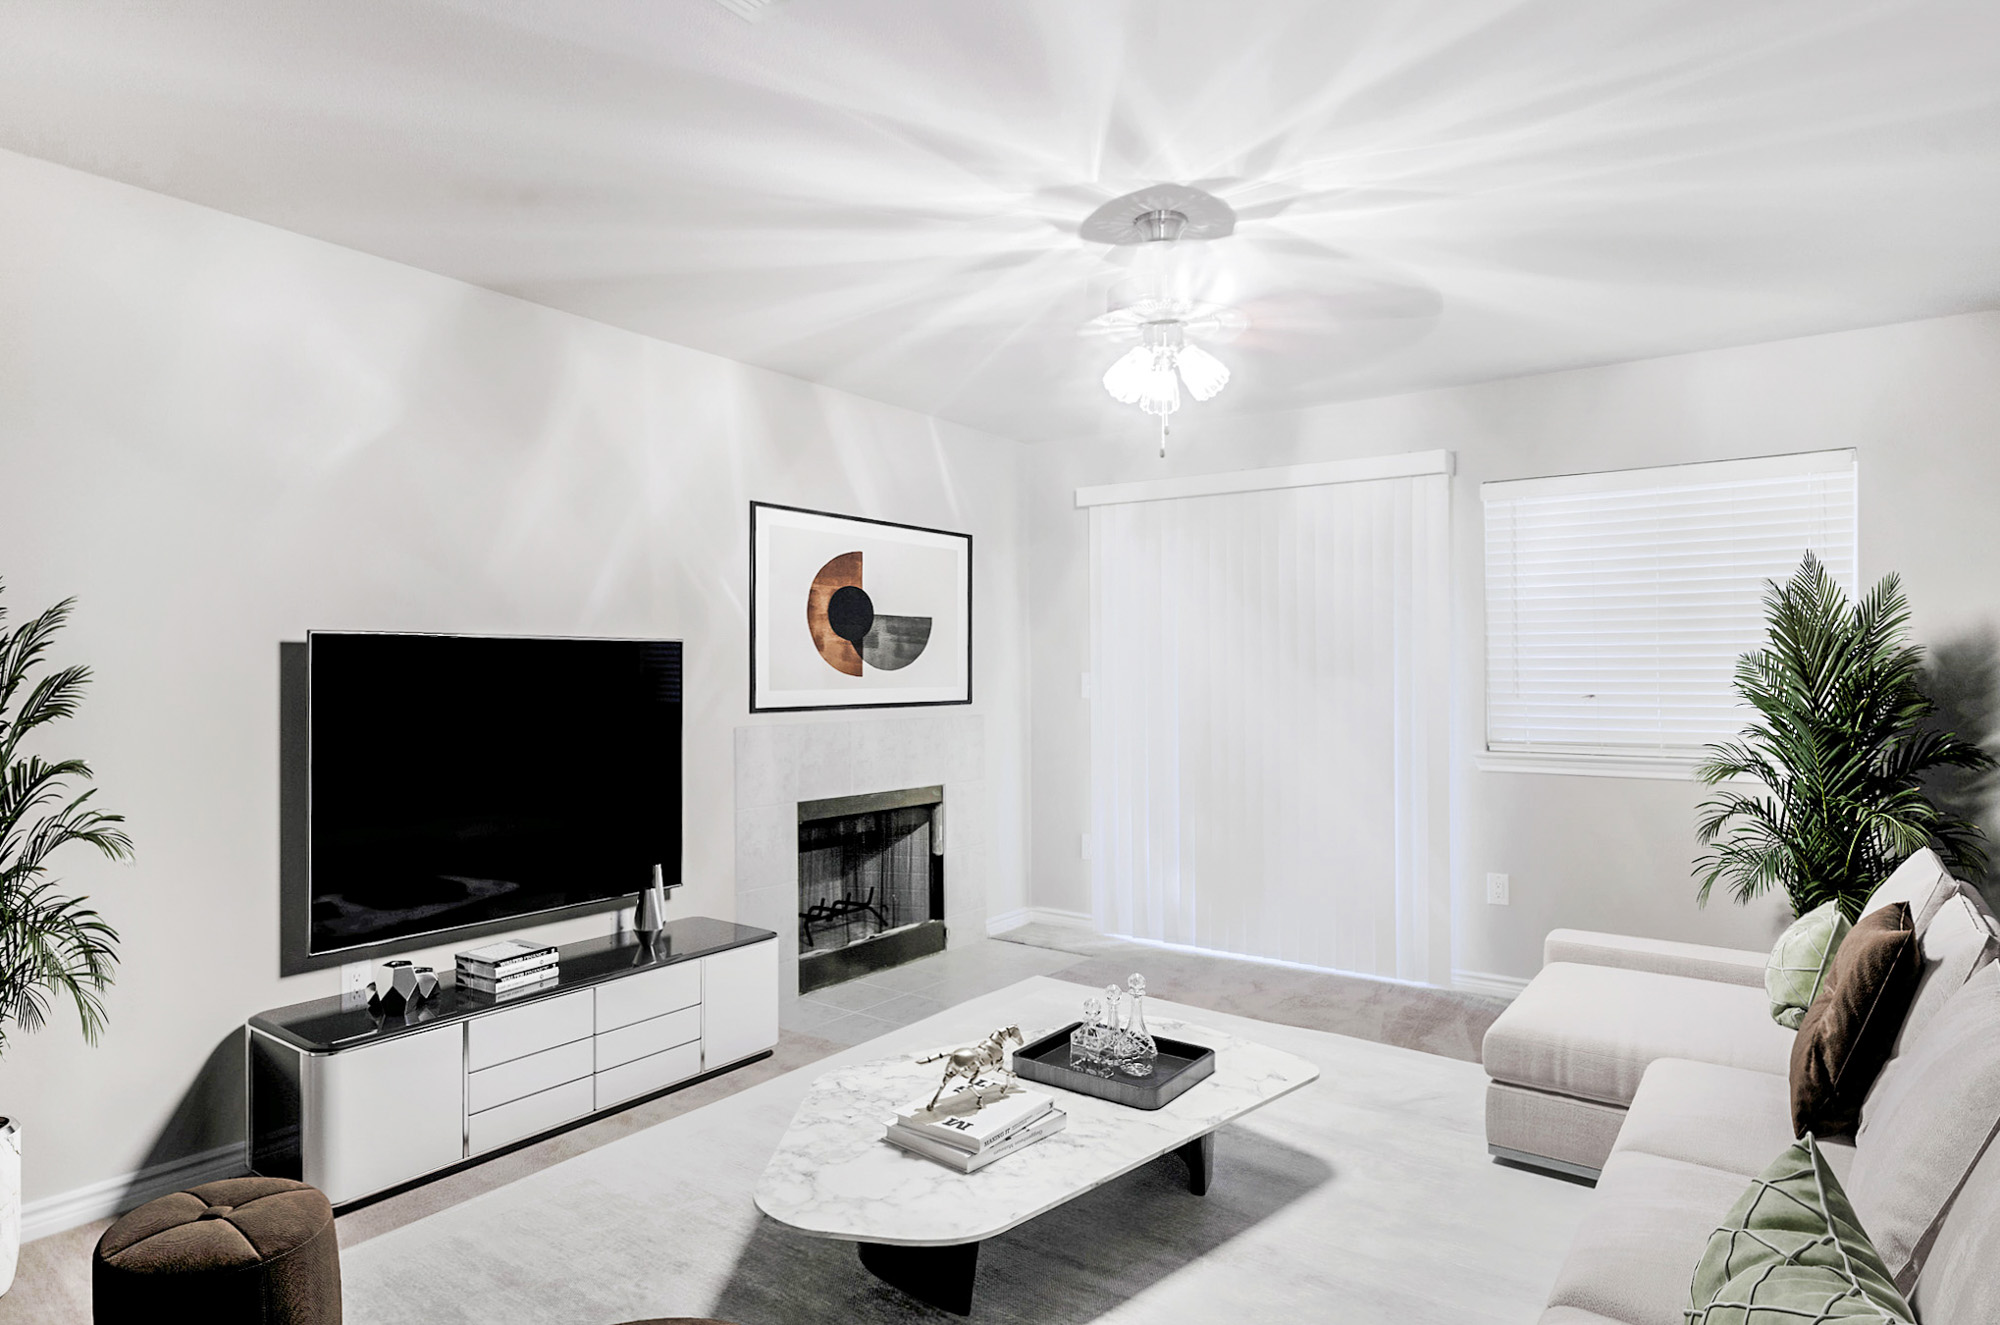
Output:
x=941 y=1276
x=1199 y=1155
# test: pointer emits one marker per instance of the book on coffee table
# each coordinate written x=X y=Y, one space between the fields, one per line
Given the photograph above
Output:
x=961 y=1098
x=974 y=1128
x=971 y=1161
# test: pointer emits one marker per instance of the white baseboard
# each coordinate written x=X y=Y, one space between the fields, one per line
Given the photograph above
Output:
x=101 y=1200
x=1038 y=915
x=1482 y=982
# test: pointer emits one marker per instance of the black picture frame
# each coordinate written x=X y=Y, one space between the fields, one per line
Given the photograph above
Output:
x=876 y=694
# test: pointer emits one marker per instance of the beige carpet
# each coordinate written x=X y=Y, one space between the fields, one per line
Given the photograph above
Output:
x=1365 y=1197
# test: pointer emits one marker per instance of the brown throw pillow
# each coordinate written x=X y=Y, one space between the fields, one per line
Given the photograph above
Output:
x=1851 y=1026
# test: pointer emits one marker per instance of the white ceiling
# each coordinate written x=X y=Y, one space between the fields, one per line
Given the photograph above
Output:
x=883 y=195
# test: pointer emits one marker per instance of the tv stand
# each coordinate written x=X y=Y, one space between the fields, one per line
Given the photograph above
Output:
x=356 y=1103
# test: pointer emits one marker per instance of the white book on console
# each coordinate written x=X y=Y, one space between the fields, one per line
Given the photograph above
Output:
x=509 y=957
x=527 y=979
x=979 y=1128
x=969 y=1162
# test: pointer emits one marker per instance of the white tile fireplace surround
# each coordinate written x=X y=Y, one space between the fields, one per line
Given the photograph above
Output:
x=782 y=763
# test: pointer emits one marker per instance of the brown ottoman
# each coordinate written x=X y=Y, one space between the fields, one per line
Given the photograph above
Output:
x=243 y=1251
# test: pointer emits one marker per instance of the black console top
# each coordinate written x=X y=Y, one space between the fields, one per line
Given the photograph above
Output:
x=327 y=1024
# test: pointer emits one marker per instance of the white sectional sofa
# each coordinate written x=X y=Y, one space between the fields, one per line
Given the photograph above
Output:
x=1656 y=1069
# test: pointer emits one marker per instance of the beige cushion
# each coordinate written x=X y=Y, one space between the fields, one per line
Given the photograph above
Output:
x=1927 y=1125
x=1591 y=1031
x=1726 y=1118
x=1921 y=880
x=1645 y=1229
x=1701 y=961
x=1961 y=1278
x=1955 y=945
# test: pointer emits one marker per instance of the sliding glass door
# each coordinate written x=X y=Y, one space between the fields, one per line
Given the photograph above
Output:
x=1269 y=708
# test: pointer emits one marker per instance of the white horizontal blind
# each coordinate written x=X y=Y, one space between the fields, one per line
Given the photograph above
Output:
x=1618 y=603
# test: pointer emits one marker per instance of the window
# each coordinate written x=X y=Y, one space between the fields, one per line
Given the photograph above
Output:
x=1618 y=603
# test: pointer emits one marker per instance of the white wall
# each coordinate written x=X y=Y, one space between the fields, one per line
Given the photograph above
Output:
x=219 y=435
x=1921 y=404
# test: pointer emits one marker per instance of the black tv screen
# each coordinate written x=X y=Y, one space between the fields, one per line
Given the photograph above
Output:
x=460 y=784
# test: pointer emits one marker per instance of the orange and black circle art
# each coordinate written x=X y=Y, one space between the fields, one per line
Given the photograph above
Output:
x=847 y=630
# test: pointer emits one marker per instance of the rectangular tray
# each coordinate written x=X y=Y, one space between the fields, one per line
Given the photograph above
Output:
x=1179 y=1066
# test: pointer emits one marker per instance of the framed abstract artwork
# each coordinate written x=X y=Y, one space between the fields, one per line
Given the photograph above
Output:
x=848 y=613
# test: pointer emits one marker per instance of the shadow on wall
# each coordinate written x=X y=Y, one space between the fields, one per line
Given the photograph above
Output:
x=1963 y=677
x=208 y=1119
x=211 y=1116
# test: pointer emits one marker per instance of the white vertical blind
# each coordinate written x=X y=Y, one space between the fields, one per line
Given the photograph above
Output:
x=1618 y=603
x=1269 y=723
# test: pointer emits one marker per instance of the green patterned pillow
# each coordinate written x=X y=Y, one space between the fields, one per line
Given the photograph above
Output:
x=1794 y=1295
x=1800 y=961
x=1791 y=1250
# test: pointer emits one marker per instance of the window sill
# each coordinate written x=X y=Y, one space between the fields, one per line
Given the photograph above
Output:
x=1659 y=768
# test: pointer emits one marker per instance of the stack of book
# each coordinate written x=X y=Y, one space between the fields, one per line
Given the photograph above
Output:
x=962 y=1133
x=507 y=967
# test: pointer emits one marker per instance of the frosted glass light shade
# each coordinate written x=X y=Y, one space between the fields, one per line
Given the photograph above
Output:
x=1162 y=393
x=1126 y=379
x=1202 y=371
x=1150 y=376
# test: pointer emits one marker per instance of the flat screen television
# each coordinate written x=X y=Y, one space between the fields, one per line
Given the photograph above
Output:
x=460 y=785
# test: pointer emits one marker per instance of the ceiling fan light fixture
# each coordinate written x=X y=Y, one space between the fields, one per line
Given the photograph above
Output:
x=1203 y=372
x=1126 y=379
x=1159 y=303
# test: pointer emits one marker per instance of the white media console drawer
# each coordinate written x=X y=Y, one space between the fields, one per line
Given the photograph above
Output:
x=655 y=1072
x=641 y=997
x=643 y=1038
x=356 y=1103
x=530 y=1075
x=497 y=1037
x=525 y=1117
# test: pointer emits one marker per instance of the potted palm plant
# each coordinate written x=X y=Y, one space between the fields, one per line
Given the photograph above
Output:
x=52 y=947
x=1835 y=758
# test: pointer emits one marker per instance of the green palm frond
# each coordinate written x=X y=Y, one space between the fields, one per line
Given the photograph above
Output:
x=53 y=948
x=1838 y=741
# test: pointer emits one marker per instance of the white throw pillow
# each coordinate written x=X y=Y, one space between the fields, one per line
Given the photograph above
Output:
x=1921 y=880
x=1926 y=1124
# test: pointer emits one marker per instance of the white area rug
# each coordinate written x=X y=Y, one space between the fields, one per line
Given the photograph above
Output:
x=1367 y=1196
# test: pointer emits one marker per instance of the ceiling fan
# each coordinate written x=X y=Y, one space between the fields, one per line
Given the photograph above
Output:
x=1288 y=297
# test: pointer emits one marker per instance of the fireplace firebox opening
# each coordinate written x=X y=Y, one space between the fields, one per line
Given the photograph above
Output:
x=871 y=883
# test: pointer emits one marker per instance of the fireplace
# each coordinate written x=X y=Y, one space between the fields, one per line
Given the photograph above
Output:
x=871 y=883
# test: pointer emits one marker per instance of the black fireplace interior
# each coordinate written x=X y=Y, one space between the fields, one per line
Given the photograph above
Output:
x=871 y=883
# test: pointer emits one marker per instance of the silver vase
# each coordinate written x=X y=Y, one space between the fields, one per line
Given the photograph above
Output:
x=649 y=918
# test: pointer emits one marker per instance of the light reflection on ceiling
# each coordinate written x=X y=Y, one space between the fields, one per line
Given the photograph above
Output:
x=885 y=195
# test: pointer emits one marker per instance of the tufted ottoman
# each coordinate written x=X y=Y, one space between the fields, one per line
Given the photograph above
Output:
x=243 y=1251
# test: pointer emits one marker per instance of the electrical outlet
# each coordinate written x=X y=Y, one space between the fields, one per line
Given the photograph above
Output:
x=1496 y=889
x=354 y=978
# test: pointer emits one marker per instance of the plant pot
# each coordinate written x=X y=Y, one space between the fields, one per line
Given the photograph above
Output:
x=10 y=1200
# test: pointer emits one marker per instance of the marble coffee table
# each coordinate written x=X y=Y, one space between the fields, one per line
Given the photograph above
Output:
x=919 y=1224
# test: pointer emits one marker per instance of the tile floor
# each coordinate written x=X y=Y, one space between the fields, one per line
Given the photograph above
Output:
x=871 y=1005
